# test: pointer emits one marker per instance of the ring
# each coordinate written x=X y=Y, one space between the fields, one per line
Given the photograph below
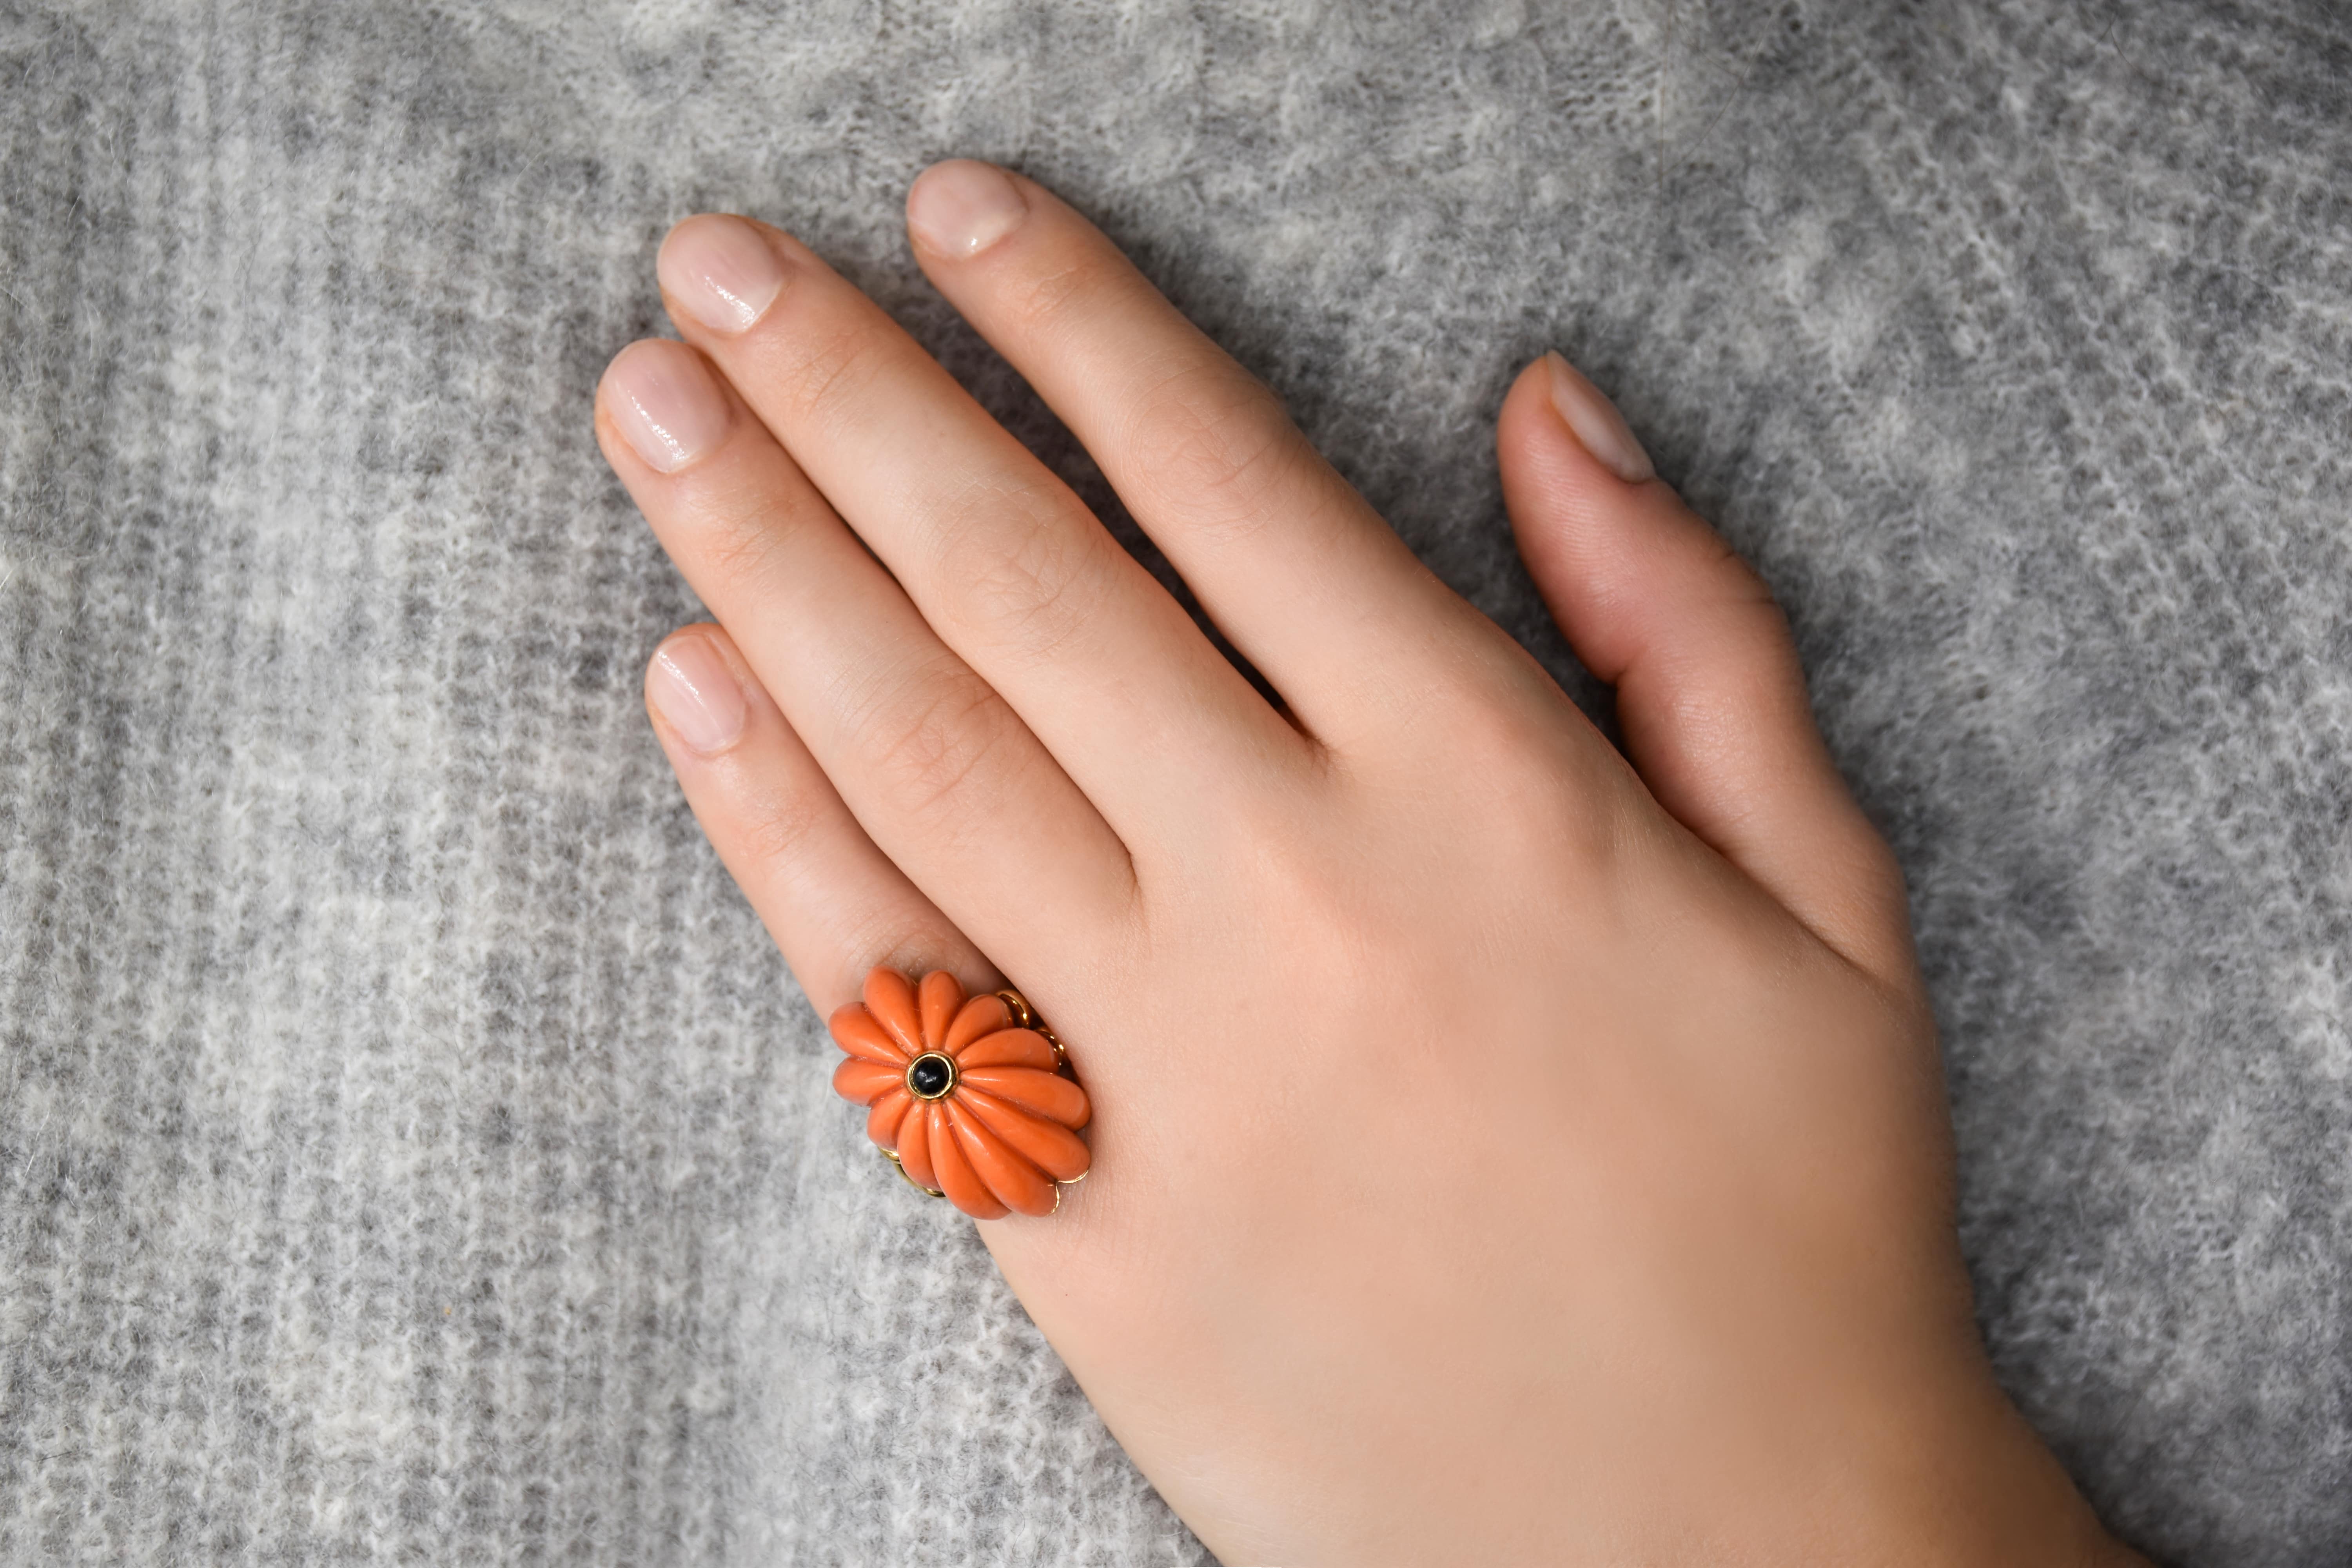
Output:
x=971 y=1099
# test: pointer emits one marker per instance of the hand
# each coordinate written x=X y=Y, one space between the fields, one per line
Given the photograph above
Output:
x=1501 y=1152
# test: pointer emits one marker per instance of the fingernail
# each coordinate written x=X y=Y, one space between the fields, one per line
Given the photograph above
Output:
x=696 y=694
x=720 y=271
x=1598 y=426
x=665 y=403
x=960 y=208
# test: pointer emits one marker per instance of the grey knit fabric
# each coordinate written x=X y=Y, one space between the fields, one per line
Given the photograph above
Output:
x=411 y=1148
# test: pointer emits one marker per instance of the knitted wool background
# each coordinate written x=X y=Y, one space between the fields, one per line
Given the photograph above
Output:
x=412 y=1148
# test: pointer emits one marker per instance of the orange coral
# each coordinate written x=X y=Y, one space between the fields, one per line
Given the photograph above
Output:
x=973 y=1106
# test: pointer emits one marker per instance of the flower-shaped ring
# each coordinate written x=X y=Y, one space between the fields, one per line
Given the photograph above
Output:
x=971 y=1099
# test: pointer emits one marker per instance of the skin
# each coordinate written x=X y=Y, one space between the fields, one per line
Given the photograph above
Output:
x=1506 y=1149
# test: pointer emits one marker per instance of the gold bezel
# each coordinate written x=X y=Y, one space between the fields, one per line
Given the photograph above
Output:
x=954 y=1074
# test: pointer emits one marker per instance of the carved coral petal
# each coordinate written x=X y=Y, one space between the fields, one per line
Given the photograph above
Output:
x=1009 y=1049
x=940 y=995
x=915 y=1143
x=864 y=1081
x=892 y=1002
x=855 y=1031
x=882 y=1121
x=1018 y=1184
x=1048 y=1145
x=981 y=1015
x=957 y=1178
x=1031 y=1090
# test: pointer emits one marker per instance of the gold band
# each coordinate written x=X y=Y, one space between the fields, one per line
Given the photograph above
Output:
x=898 y=1165
x=1025 y=1016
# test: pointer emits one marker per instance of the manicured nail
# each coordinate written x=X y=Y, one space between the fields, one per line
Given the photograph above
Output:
x=1598 y=426
x=665 y=403
x=720 y=271
x=960 y=208
x=696 y=694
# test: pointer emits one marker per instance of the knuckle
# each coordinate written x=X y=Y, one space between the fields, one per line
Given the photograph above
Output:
x=1753 y=623
x=1209 y=439
x=740 y=534
x=780 y=824
x=942 y=745
x=1553 y=795
x=1319 y=897
x=1055 y=294
x=1726 y=577
x=834 y=368
x=1029 y=572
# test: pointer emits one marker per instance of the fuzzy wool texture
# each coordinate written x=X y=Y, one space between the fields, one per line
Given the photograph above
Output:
x=410 y=1146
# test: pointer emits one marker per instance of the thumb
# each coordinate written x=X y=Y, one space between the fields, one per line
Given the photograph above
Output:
x=1710 y=699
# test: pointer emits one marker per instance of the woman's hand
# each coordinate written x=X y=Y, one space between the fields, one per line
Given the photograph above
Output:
x=1502 y=1152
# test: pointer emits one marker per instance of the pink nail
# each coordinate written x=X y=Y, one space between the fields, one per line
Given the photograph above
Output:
x=959 y=208
x=664 y=402
x=696 y=694
x=720 y=271
x=1597 y=423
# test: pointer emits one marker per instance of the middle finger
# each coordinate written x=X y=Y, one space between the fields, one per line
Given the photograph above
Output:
x=1002 y=559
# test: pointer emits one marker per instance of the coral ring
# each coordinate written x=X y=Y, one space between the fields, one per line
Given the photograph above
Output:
x=970 y=1097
